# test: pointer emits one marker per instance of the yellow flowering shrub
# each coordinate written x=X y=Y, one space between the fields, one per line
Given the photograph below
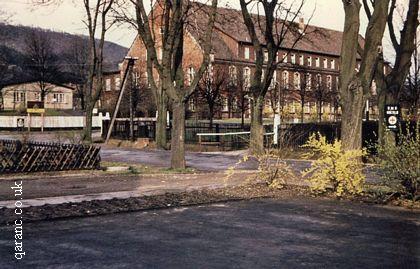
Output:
x=335 y=168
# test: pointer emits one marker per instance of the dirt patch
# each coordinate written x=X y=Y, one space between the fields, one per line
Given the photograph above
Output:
x=244 y=192
x=92 y=208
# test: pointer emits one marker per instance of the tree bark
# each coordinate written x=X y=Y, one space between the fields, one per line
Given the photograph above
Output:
x=87 y=134
x=178 y=136
x=351 y=118
x=161 y=122
x=355 y=87
x=302 y=110
x=256 y=143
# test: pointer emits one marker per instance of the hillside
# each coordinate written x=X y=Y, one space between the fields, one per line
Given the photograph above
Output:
x=13 y=50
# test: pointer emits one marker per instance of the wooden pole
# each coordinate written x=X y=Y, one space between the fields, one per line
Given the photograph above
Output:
x=130 y=64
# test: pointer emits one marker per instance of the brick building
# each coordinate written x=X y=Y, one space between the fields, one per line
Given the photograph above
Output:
x=309 y=71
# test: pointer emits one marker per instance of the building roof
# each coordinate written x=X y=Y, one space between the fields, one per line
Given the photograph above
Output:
x=230 y=22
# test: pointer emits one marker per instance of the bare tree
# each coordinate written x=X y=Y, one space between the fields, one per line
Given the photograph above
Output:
x=77 y=60
x=210 y=89
x=172 y=21
x=98 y=22
x=273 y=27
x=42 y=63
x=389 y=85
x=355 y=86
x=411 y=90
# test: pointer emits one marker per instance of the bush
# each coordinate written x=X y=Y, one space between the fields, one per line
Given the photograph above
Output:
x=272 y=169
x=335 y=168
x=400 y=163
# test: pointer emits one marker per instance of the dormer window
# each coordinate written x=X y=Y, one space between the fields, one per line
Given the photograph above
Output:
x=317 y=62
x=246 y=53
x=309 y=59
x=293 y=59
x=325 y=63
x=301 y=60
x=332 y=64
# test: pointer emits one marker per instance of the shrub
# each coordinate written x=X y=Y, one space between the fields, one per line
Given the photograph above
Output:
x=272 y=169
x=335 y=168
x=400 y=163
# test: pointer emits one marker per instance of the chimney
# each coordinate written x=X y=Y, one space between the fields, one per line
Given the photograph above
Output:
x=301 y=24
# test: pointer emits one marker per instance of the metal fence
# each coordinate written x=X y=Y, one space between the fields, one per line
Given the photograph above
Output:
x=18 y=157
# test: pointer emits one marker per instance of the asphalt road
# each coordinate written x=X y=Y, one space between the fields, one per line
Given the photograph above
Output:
x=207 y=161
x=309 y=233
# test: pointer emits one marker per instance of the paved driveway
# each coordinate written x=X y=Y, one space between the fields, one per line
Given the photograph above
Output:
x=310 y=233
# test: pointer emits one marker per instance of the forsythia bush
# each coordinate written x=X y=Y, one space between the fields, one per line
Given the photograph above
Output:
x=271 y=169
x=400 y=164
x=335 y=168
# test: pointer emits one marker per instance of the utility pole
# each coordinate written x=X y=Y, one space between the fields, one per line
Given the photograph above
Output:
x=128 y=70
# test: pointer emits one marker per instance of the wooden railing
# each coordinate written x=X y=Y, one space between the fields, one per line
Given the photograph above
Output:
x=22 y=157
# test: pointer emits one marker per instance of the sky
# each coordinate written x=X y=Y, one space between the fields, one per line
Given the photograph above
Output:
x=69 y=15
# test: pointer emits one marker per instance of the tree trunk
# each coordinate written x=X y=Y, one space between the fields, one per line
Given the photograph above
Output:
x=351 y=118
x=178 y=136
x=256 y=143
x=302 y=110
x=384 y=136
x=87 y=135
x=319 y=110
x=211 y=113
x=161 y=137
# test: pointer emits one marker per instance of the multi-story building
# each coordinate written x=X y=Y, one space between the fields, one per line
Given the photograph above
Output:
x=306 y=76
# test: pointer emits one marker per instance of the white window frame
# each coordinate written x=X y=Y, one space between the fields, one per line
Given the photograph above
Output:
x=301 y=60
x=117 y=82
x=309 y=58
x=246 y=53
x=325 y=63
x=293 y=59
x=329 y=82
x=108 y=84
x=296 y=80
x=332 y=64
x=285 y=79
x=317 y=62
x=247 y=77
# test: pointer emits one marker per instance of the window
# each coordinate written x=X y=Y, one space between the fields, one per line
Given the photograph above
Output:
x=285 y=79
x=246 y=53
x=107 y=84
x=296 y=80
x=308 y=81
x=293 y=107
x=225 y=106
x=309 y=61
x=19 y=97
x=308 y=107
x=273 y=80
x=247 y=77
x=293 y=59
x=211 y=57
x=301 y=60
x=190 y=75
x=329 y=82
x=318 y=80
x=284 y=57
x=117 y=83
x=265 y=56
x=325 y=63
x=317 y=62
x=332 y=64
x=233 y=75
x=58 y=98
x=191 y=104
x=37 y=96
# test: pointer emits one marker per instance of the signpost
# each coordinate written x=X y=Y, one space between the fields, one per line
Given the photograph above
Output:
x=392 y=117
x=35 y=107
